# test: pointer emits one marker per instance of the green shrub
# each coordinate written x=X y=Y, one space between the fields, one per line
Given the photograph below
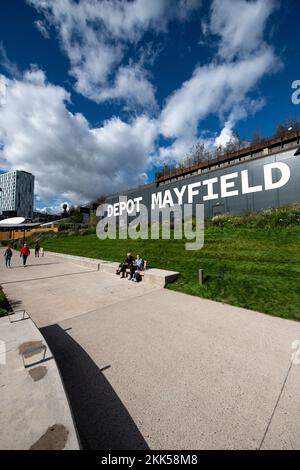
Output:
x=86 y=231
x=267 y=219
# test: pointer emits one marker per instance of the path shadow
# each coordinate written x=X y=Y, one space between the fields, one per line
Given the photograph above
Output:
x=32 y=265
x=15 y=304
x=47 y=277
x=102 y=421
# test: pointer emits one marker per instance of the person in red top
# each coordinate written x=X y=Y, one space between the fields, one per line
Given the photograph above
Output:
x=25 y=252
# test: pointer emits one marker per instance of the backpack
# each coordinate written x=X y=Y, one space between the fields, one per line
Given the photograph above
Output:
x=137 y=276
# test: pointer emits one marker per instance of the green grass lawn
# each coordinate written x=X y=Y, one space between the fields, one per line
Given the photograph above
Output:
x=253 y=268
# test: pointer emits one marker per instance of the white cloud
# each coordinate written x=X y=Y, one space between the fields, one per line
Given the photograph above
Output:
x=174 y=152
x=213 y=89
x=240 y=111
x=55 y=208
x=223 y=87
x=73 y=161
x=240 y=24
x=132 y=85
x=40 y=25
x=95 y=36
x=67 y=156
x=225 y=136
x=10 y=67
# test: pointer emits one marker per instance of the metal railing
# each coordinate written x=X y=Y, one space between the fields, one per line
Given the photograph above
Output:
x=170 y=172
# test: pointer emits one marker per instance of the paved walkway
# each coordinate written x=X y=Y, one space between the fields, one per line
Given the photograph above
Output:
x=146 y=367
x=34 y=412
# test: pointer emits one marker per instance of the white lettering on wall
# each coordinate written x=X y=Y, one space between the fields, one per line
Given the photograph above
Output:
x=130 y=206
x=116 y=209
x=246 y=189
x=210 y=189
x=110 y=210
x=226 y=185
x=192 y=192
x=285 y=175
x=168 y=200
x=156 y=200
x=180 y=194
x=276 y=175
x=137 y=200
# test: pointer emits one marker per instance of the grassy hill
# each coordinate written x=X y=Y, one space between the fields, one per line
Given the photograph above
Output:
x=251 y=261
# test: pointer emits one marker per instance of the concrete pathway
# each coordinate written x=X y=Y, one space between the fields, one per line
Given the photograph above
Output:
x=34 y=412
x=146 y=367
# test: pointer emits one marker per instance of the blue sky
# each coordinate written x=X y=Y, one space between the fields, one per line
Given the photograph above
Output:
x=94 y=95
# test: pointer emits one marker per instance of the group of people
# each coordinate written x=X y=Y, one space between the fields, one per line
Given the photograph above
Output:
x=24 y=253
x=133 y=265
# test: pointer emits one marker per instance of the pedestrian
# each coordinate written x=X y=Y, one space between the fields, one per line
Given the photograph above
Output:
x=126 y=265
x=8 y=255
x=138 y=265
x=25 y=252
x=37 y=250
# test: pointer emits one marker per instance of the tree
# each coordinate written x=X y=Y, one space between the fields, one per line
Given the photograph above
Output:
x=218 y=152
x=281 y=130
x=100 y=200
x=257 y=137
x=198 y=154
x=75 y=215
x=232 y=145
x=65 y=207
x=293 y=124
x=239 y=142
x=93 y=220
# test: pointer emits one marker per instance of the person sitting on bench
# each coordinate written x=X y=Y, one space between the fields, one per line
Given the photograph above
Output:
x=138 y=265
x=127 y=264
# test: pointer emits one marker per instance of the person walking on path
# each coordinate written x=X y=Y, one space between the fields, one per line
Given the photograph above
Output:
x=8 y=255
x=25 y=252
x=37 y=250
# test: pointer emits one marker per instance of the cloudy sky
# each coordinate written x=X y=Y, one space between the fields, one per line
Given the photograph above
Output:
x=95 y=95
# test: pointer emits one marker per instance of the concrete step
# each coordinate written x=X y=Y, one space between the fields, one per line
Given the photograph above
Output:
x=107 y=267
x=35 y=411
x=159 y=277
x=80 y=260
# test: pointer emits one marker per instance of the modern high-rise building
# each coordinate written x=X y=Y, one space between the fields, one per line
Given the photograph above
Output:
x=16 y=194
